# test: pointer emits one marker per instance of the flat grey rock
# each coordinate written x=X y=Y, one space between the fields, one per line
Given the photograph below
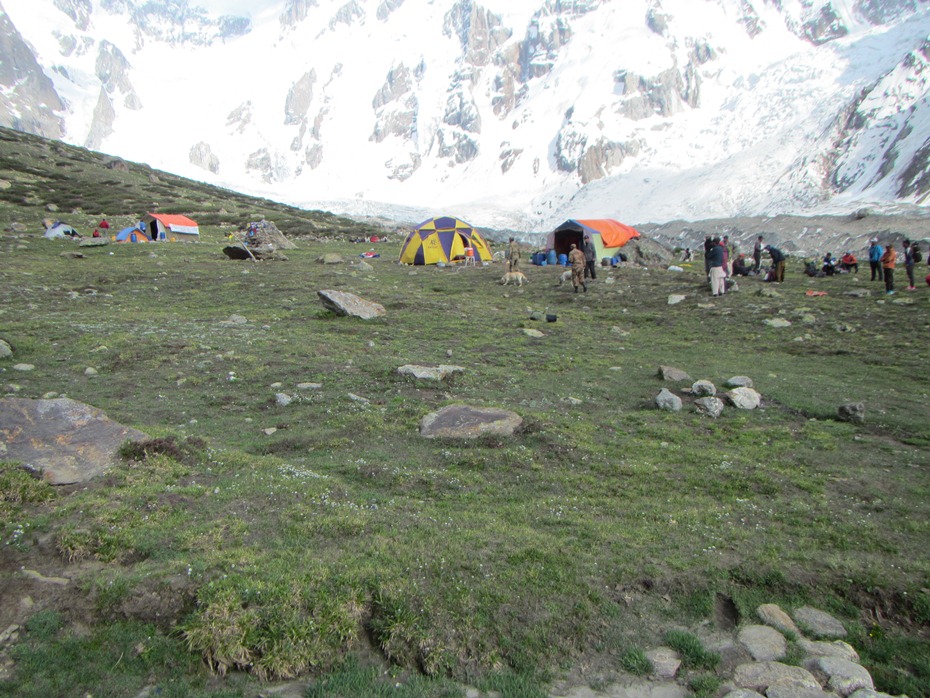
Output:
x=435 y=373
x=772 y=614
x=763 y=643
x=760 y=675
x=348 y=304
x=465 y=422
x=66 y=441
x=818 y=622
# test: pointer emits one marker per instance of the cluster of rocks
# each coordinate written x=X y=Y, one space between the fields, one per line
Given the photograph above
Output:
x=739 y=394
x=752 y=666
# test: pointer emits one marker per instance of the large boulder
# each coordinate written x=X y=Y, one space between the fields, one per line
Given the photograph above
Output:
x=67 y=442
x=348 y=304
x=466 y=422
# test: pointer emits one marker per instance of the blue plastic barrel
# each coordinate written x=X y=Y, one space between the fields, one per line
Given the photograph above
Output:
x=563 y=260
x=552 y=258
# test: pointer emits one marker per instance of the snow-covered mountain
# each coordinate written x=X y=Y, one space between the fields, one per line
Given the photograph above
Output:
x=509 y=113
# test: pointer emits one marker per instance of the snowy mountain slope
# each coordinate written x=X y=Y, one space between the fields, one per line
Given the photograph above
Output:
x=509 y=113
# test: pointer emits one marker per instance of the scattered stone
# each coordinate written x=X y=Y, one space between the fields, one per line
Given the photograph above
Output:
x=269 y=431
x=6 y=350
x=90 y=372
x=350 y=305
x=23 y=367
x=66 y=441
x=869 y=693
x=765 y=644
x=283 y=399
x=767 y=292
x=529 y=332
x=665 y=662
x=710 y=406
x=309 y=386
x=739 y=382
x=841 y=675
x=743 y=693
x=760 y=675
x=435 y=373
x=668 y=401
x=851 y=412
x=837 y=648
x=744 y=398
x=71 y=254
x=772 y=614
x=675 y=299
x=235 y=320
x=573 y=401
x=818 y=622
x=777 y=322
x=703 y=388
x=858 y=293
x=358 y=398
x=668 y=373
x=466 y=422
x=330 y=258
x=844 y=327
x=362 y=265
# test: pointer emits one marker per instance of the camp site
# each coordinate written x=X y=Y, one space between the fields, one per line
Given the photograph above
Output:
x=454 y=496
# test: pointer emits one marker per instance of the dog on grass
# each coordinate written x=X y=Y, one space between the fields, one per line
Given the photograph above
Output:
x=517 y=278
x=565 y=276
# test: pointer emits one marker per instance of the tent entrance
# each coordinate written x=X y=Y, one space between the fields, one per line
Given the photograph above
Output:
x=564 y=239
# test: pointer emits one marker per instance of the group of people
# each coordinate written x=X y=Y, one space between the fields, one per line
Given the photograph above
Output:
x=723 y=261
x=882 y=261
x=582 y=260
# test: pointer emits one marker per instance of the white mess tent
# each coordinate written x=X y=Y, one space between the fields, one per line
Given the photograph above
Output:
x=170 y=226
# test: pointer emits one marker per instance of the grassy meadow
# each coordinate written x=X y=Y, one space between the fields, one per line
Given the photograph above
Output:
x=251 y=541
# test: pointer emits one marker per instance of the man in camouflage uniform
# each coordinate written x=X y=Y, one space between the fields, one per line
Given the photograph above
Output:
x=576 y=259
x=513 y=255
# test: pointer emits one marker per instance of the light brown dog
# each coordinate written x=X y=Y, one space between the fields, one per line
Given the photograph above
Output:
x=517 y=278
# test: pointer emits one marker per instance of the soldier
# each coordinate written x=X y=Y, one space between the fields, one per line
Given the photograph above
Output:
x=576 y=259
x=513 y=255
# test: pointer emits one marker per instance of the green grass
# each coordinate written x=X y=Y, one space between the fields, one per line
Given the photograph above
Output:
x=504 y=561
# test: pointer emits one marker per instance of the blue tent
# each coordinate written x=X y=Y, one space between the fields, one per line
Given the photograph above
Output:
x=134 y=233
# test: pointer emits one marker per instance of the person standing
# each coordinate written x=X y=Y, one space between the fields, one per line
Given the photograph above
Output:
x=576 y=259
x=778 y=263
x=513 y=255
x=875 y=259
x=708 y=243
x=718 y=277
x=590 y=258
x=909 y=264
x=888 y=259
x=757 y=255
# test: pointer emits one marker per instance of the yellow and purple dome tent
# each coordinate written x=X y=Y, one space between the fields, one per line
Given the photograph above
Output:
x=443 y=240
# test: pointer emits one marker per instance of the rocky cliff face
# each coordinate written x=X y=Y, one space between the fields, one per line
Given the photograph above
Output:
x=545 y=94
x=880 y=136
x=28 y=100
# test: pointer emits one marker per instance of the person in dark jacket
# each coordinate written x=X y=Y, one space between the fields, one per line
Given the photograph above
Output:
x=590 y=257
x=718 y=275
x=778 y=263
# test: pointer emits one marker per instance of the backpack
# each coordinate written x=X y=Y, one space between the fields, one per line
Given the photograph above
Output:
x=916 y=254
